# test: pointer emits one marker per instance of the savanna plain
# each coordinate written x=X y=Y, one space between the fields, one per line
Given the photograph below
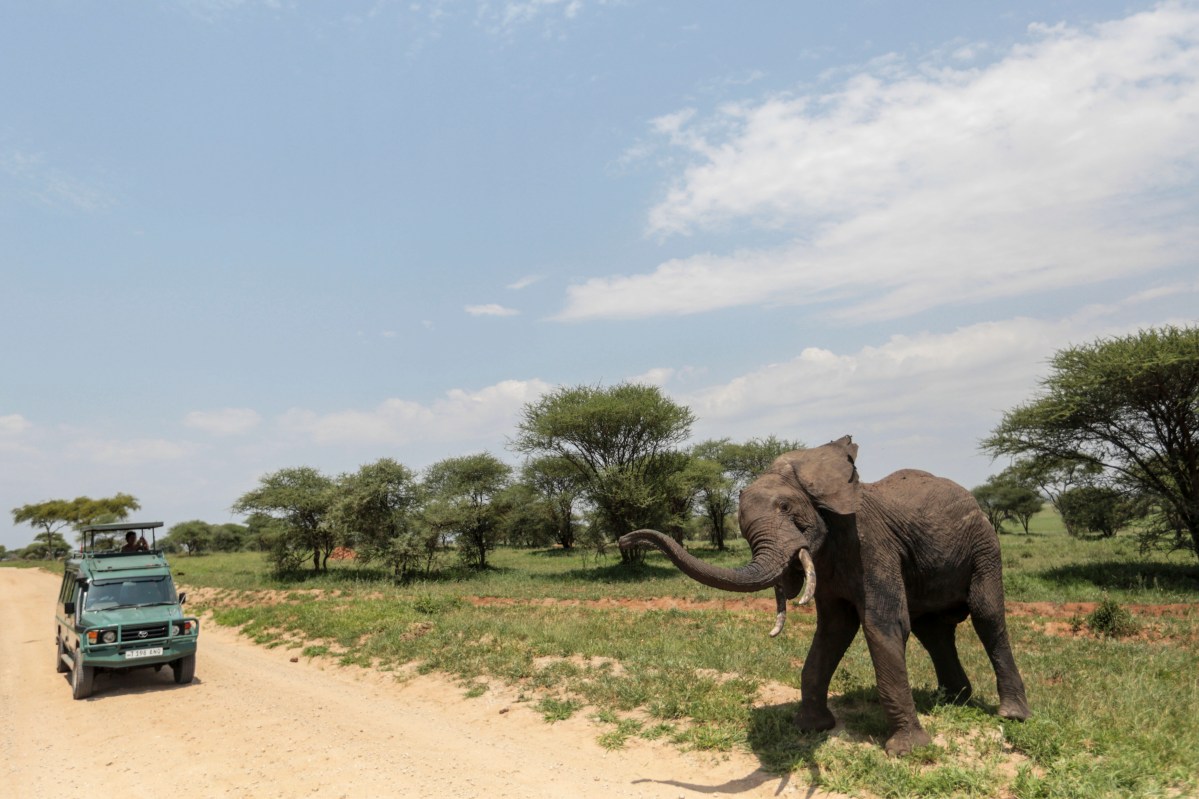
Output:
x=1107 y=639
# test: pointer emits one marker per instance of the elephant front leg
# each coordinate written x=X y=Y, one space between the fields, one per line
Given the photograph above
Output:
x=887 y=640
x=836 y=625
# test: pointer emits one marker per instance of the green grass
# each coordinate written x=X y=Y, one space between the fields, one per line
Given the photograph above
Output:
x=1113 y=717
x=1049 y=566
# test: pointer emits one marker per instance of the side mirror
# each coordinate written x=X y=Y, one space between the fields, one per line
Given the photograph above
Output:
x=182 y=597
x=69 y=608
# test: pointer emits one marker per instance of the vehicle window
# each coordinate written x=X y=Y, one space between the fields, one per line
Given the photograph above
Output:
x=104 y=596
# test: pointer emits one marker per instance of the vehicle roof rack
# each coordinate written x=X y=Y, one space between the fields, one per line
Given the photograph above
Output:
x=107 y=528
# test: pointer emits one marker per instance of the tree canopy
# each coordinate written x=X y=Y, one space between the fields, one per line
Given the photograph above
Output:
x=1006 y=496
x=374 y=511
x=1128 y=406
x=51 y=516
x=622 y=440
x=723 y=468
x=466 y=496
x=299 y=498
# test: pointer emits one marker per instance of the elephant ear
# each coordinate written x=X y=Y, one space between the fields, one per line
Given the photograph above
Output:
x=829 y=476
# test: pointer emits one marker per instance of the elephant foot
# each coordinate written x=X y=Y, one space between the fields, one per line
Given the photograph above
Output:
x=905 y=741
x=815 y=719
x=1015 y=709
x=955 y=694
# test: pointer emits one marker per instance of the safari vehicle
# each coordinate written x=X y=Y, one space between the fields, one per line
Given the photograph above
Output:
x=119 y=609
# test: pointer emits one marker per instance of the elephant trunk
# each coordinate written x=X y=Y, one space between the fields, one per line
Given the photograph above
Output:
x=773 y=556
x=763 y=571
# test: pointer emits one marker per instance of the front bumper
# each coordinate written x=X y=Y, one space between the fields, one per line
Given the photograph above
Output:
x=116 y=655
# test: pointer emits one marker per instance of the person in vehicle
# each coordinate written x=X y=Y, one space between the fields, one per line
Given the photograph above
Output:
x=133 y=544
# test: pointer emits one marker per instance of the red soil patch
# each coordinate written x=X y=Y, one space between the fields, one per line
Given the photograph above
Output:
x=1068 y=610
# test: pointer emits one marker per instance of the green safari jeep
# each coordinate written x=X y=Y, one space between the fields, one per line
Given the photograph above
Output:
x=118 y=609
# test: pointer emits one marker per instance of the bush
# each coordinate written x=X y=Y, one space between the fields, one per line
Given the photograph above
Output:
x=1111 y=620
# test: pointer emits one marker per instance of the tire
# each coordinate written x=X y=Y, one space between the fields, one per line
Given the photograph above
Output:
x=184 y=668
x=82 y=678
x=59 y=665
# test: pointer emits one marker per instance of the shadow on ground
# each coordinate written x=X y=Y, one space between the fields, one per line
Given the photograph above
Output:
x=1125 y=575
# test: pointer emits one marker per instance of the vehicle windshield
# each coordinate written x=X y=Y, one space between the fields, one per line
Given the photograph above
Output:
x=130 y=593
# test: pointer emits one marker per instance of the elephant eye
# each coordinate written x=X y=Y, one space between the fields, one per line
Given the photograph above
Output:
x=784 y=507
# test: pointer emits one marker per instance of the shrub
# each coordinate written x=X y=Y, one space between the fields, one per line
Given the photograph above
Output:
x=1111 y=620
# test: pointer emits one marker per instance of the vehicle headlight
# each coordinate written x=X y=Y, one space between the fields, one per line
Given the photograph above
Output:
x=175 y=630
x=108 y=636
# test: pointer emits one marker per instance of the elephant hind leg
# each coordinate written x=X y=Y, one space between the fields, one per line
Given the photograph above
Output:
x=935 y=632
x=989 y=620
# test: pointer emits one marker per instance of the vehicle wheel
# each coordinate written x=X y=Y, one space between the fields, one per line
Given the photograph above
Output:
x=82 y=677
x=59 y=665
x=184 y=668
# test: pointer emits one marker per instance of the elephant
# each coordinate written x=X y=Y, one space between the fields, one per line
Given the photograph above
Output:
x=911 y=553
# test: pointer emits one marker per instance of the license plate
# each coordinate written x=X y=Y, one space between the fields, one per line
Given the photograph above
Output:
x=143 y=653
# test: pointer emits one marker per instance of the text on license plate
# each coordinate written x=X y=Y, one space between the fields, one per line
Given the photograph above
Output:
x=143 y=653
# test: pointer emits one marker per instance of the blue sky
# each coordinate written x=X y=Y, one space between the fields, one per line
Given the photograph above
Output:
x=241 y=236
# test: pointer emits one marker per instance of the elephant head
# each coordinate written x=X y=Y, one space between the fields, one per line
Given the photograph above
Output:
x=782 y=516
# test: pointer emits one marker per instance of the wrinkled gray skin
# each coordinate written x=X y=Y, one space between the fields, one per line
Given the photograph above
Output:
x=911 y=553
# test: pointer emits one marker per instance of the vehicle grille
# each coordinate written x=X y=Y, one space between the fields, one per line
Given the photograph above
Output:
x=143 y=633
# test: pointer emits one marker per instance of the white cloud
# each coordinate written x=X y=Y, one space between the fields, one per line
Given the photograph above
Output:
x=1069 y=160
x=655 y=377
x=224 y=422
x=13 y=424
x=955 y=385
x=491 y=309
x=922 y=401
x=49 y=185
x=118 y=452
x=976 y=368
x=519 y=12
x=489 y=413
x=524 y=282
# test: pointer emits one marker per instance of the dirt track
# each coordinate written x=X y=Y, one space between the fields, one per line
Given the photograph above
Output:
x=255 y=724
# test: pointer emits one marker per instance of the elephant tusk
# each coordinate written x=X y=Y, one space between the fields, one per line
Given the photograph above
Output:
x=780 y=602
x=809 y=577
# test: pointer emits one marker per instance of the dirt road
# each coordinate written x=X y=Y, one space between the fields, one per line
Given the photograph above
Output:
x=255 y=724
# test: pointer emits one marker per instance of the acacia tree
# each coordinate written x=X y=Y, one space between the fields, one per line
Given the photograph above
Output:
x=466 y=501
x=1053 y=478
x=54 y=515
x=195 y=536
x=1129 y=406
x=48 y=518
x=559 y=485
x=1005 y=496
x=1100 y=509
x=621 y=440
x=724 y=468
x=299 y=498
x=747 y=460
x=716 y=497
x=375 y=510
